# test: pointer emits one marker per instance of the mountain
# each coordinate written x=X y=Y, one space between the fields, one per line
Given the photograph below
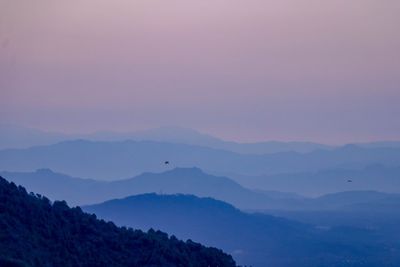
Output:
x=191 y=137
x=75 y=191
x=36 y=232
x=194 y=181
x=354 y=201
x=115 y=160
x=79 y=191
x=363 y=209
x=349 y=199
x=394 y=144
x=255 y=239
x=12 y=136
x=375 y=177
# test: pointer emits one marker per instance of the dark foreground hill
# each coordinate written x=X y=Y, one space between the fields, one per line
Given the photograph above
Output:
x=255 y=239
x=34 y=232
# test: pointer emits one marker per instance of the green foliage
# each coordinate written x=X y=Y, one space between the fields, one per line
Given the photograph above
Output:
x=34 y=232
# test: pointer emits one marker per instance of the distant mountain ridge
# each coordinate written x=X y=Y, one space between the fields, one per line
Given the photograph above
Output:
x=12 y=136
x=191 y=181
x=374 y=177
x=111 y=160
x=21 y=137
x=79 y=191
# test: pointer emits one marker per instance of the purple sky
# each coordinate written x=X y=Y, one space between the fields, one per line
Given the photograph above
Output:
x=326 y=71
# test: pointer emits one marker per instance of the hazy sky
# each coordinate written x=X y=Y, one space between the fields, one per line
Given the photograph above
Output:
x=326 y=71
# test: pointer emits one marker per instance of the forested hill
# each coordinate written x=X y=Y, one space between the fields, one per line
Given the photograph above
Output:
x=35 y=232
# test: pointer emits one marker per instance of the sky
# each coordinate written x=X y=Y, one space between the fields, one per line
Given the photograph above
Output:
x=243 y=70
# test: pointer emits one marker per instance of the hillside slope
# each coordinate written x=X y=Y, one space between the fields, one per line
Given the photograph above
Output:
x=35 y=232
x=252 y=239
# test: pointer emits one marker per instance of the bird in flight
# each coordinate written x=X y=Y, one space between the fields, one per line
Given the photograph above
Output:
x=166 y=162
x=349 y=181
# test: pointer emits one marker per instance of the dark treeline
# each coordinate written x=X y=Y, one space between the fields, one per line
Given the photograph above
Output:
x=36 y=232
